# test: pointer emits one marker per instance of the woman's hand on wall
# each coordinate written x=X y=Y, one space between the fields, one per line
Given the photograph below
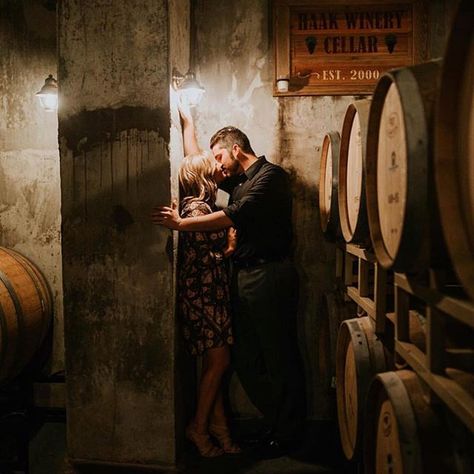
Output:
x=166 y=216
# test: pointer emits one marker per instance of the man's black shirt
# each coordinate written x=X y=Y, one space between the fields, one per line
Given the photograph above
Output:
x=260 y=208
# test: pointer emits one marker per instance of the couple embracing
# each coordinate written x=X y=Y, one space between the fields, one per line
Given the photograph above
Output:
x=237 y=288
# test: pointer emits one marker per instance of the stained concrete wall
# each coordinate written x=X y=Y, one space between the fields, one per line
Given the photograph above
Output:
x=234 y=61
x=114 y=123
x=29 y=156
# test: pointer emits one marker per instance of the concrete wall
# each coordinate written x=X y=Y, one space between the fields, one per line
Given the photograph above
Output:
x=29 y=156
x=234 y=61
x=114 y=69
x=235 y=64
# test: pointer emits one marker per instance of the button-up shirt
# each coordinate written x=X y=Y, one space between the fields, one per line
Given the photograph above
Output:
x=260 y=208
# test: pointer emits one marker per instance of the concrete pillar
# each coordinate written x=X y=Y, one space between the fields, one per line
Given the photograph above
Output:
x=115 y=127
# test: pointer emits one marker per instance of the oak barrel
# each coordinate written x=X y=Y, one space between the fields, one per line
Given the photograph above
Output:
x=403 y=434
x=328 y=179
x=25 y=312
x=399 y=167
x=454 y=146
x=359 y=356
x=335 y=310
x=351 y=187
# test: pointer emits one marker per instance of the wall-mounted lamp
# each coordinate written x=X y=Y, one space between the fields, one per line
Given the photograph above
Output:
x=48 y=95
x=187 y=86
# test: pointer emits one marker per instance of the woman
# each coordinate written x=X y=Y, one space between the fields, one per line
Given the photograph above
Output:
x=203 y=302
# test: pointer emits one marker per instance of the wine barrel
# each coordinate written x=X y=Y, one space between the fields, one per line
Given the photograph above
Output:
x=328 y=178
x=399 y=169
x=25 y=312
x=335 y=311
x=402 y=432
x=359 y=356
x=351 y=191
x=454 y=146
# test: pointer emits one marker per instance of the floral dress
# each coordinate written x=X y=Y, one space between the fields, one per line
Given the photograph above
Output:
x=203 y=286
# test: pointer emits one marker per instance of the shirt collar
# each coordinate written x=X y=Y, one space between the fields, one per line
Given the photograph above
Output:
x=253 y=170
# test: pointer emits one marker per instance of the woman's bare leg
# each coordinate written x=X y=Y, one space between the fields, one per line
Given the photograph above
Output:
x=218 y=416
x=219 y=425
x=215 y=363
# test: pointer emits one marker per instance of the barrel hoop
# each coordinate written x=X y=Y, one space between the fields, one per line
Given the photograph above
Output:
x=334 y=217
x=26 y=265
x=18 y=311
x=377 y=353
x=330 y=220
x=363 y=368
x=418 y=149
x=337 y=313
x=324 y=216
x=360 y=232
x=34 y=277
x=363 y=373
x=409 y=442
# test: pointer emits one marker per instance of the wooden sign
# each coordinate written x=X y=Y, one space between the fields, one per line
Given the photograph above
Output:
x=333 y=47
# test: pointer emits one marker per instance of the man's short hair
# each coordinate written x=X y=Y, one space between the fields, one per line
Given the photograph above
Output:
x=227 y=137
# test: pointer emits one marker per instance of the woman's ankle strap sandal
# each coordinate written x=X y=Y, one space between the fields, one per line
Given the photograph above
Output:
x=203 y=443
x=222 y=434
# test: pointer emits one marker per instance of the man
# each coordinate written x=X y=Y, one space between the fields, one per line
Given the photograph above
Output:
x=264 y=284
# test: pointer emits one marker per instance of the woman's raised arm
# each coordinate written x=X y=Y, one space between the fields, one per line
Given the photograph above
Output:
x=190 y=143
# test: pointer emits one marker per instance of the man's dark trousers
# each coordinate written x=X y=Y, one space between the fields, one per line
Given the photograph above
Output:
x=266 y=356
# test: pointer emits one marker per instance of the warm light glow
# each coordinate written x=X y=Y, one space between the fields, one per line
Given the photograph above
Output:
x=192 y=95
x=188 y=88
x=49 y=102
x=48 y=95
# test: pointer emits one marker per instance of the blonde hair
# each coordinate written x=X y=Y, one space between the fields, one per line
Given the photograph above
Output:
x=196 y=179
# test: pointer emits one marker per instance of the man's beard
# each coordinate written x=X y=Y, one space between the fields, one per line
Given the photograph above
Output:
x=234 y=169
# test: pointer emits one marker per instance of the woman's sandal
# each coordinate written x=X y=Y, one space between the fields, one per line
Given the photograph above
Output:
x=222 y=435
x=203 y=443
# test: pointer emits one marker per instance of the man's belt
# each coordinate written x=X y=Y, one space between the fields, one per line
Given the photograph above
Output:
x=255 y=262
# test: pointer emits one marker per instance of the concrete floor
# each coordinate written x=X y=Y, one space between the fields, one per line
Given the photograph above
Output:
x=319 y=453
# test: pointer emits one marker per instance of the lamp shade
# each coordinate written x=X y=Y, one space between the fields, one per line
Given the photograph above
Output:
x=191 y=89
x=48 y=95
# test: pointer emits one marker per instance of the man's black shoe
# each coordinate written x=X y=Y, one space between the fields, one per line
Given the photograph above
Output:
x=270 y=448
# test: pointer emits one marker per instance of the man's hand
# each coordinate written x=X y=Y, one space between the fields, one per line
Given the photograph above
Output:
x=169 y=217
x=166 y=216
x=231 y=242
